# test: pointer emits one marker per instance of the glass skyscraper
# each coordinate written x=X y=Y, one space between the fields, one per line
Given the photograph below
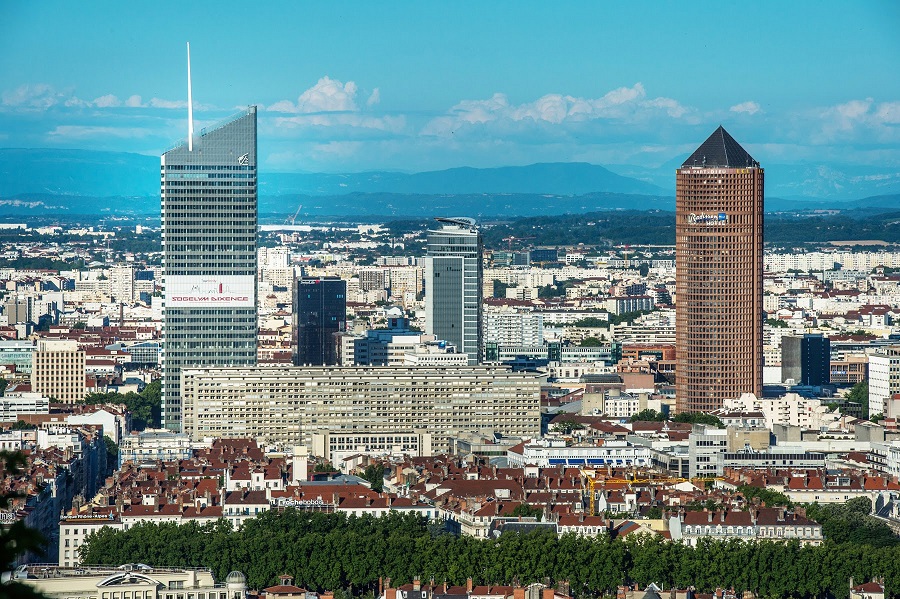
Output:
x=209 y=225
x=453 y=282
x=320 y=311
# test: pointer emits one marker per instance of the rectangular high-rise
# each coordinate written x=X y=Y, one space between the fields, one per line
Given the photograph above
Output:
x=719 y=275
x=320 y=311
x=209 y=227
x=453 y=282
x=806 y=360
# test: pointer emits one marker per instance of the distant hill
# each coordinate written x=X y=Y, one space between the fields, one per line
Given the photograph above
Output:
x=89 y=173
x=801 y=182
x=77 y=172
x=48 y=181
x=562 y=178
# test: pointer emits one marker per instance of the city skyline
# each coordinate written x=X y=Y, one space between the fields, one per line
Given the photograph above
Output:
x=375 y=88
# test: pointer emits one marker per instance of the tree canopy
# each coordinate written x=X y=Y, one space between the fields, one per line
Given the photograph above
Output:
x=145 y=407
x=333 y=551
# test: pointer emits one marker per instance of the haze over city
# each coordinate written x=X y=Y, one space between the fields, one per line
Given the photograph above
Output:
x=414 y=87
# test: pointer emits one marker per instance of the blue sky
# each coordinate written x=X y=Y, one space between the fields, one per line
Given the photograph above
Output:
x=412 y=86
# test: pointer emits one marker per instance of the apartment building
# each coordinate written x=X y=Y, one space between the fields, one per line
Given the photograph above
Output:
x=58 y=370
x=290 y=405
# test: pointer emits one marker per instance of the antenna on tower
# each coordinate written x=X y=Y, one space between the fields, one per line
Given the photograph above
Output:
x=190 y=104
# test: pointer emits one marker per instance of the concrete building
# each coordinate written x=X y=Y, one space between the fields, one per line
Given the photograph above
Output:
x=514 y=328
x=18 y=354
x=130 y=581
x=14 y=404
x=623 y=305
x=58 y=370
x=453 y=284
x=209 y=222
x=544 y=454
x=884 y=380
x=154 y=445
x=335 y=446
x=719 y=266
x=290 y=405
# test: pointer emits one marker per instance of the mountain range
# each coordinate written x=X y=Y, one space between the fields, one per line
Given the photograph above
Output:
x=47 y=181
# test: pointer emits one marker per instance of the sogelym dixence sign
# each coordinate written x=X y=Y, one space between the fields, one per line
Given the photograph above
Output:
x=213 y=291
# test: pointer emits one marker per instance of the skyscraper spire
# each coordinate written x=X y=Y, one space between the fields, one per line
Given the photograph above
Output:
x=190 y=103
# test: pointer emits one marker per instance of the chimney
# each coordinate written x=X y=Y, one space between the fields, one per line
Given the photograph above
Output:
x=417 y=584
x=300 y=464
x=469 y=584
x=547 y=594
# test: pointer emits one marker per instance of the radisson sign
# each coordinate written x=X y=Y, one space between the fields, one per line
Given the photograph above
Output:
x=707 y=219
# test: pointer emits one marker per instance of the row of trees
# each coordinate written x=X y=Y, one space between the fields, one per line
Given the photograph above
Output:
x=334 y=552
x=651 y=415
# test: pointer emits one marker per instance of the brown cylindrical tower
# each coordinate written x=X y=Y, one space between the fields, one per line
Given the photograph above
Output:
x=719 y=268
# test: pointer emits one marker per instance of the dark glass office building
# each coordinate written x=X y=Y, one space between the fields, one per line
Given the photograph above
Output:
x=209 y=222
x=806 y=360
x=320 y=311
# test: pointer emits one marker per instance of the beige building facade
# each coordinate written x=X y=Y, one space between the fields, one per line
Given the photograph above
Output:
x=291 y=405
x=58 y=370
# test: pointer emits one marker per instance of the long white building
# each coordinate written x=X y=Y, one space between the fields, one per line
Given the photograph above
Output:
x=291 y=405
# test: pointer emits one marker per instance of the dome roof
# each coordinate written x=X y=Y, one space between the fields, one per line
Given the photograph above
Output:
x=234 y=576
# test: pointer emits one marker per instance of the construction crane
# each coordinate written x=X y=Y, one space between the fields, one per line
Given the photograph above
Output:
x=291 y=220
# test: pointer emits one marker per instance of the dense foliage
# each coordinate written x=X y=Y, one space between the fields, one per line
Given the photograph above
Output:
x=860 y=394
x=334 y=551
x=766 y=496
x=15 y=539
x=851 y=522
x=698 y=418
x=145 y=407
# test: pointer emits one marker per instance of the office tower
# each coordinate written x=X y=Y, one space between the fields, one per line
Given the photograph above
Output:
x=320 y=312
x=718 y=256
x=453 y=281
x=806 y=360
x=209 y=214
x=58 y=370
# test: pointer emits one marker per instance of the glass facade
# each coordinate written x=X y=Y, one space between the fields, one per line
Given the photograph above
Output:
x=209 y=228
x=453 y=275
x=321 y=311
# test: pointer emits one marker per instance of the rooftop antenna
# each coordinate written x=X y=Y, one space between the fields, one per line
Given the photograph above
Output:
x=190 y=104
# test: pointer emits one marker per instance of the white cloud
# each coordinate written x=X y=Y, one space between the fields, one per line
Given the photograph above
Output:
x=748 y=107
x=624 y=104
x=327 y=95
x=87 y=131
x=40 y=96
x=374 y=97
x=855 y=120
x=160 y=103
x=107 y=101
x=133 y=101
x=346 y=119
x=888 y=113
